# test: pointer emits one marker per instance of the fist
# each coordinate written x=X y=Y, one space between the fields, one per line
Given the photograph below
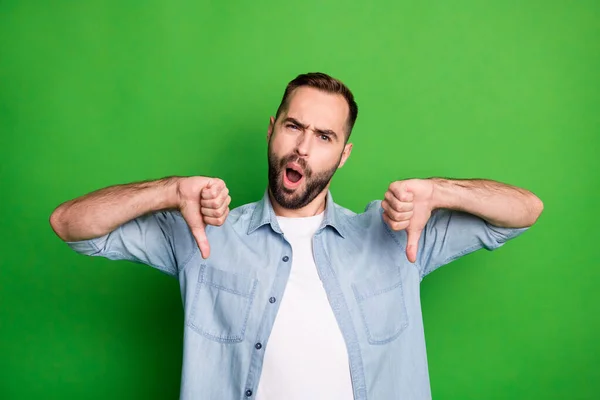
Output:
x=203 y=201
x=214 y=202
x=407 y=205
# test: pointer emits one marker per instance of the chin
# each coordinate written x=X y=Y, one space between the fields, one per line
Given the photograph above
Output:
x=290 y=198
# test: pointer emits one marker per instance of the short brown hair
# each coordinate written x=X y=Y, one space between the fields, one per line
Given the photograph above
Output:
x=326 y=83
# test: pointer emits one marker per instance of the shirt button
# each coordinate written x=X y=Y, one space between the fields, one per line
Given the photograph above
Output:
x=248 y=393
x=285 y=258
x=258 y=346
x=272 y=300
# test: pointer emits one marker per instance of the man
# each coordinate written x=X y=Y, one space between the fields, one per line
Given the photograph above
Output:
x=293 y=296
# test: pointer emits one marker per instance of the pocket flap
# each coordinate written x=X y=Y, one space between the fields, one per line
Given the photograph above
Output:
x=377 y=283
x=235 y=283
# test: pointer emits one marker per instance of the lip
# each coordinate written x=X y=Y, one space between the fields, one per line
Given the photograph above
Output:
x=295 y=167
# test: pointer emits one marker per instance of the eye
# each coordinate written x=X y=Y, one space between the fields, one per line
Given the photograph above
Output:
x=292 y=126
x=325 y=138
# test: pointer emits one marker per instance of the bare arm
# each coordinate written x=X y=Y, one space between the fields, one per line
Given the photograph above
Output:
x=100 y=212
x=498 y=203
x=201 y=200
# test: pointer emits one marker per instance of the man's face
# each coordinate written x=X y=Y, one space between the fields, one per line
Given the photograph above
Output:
x=307 y=146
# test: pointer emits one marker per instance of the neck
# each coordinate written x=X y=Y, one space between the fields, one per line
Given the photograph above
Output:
x=313 y=208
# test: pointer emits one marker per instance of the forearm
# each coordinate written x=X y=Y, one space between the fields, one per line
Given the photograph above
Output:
x=498 y=203
x=100 y=212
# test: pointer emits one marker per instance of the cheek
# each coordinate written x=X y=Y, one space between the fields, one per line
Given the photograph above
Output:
x=281 y=145
x=323 y=161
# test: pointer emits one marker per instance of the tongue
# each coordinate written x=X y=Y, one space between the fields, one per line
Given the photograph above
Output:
x=293 y=176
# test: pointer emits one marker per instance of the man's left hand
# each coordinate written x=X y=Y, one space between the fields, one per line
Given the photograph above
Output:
x=408 y=205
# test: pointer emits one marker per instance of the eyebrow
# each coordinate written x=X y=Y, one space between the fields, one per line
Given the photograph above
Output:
x=304 y=126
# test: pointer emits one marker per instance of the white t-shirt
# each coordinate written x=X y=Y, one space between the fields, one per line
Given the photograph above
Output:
x=306 y=356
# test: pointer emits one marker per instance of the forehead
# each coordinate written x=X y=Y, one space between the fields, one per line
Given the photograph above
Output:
x=318 y=109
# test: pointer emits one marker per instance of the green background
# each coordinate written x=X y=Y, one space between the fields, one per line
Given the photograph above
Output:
x=94 y=93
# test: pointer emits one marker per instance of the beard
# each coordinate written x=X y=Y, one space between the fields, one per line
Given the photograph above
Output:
x=314 y=182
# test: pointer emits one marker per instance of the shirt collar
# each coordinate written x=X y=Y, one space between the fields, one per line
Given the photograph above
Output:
x=264 y=214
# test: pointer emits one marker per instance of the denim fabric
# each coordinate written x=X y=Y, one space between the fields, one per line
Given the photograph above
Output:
x=231 y=299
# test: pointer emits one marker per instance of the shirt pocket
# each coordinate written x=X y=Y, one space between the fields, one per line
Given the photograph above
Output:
x=380 y=300
x=221 y=305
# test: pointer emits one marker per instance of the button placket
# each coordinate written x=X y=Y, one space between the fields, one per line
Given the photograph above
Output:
x=257 y=356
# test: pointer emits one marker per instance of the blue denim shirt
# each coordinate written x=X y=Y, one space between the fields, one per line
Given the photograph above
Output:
x=231 y=299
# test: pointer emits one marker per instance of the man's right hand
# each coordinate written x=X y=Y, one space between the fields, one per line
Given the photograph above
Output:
x=203 y=201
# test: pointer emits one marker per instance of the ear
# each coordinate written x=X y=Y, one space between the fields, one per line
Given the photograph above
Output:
x=270 y=128
x=345 y=154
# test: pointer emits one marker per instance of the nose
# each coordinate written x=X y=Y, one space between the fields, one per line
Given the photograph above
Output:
x=303 y=145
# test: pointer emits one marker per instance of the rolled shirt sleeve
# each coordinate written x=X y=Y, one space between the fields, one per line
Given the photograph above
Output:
x=161 y=240
x=451 y=234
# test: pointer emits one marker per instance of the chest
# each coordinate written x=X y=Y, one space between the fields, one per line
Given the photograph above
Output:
x=243 y=282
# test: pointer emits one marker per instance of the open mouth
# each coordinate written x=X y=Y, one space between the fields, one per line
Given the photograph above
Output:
x=292 y=176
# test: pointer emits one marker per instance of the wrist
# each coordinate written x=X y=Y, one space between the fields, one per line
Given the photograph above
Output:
x=442 y=194
x=169 y=192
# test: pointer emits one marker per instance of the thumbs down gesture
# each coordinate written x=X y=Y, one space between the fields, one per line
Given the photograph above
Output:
x=408 y=205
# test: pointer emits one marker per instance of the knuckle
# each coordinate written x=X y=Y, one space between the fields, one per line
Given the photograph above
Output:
x=211 y=221
x=395 y=186
x=399 y=225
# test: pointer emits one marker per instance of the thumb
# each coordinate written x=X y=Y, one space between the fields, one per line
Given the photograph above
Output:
x=412 y=245
x=200 y=236
x=193 y=216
